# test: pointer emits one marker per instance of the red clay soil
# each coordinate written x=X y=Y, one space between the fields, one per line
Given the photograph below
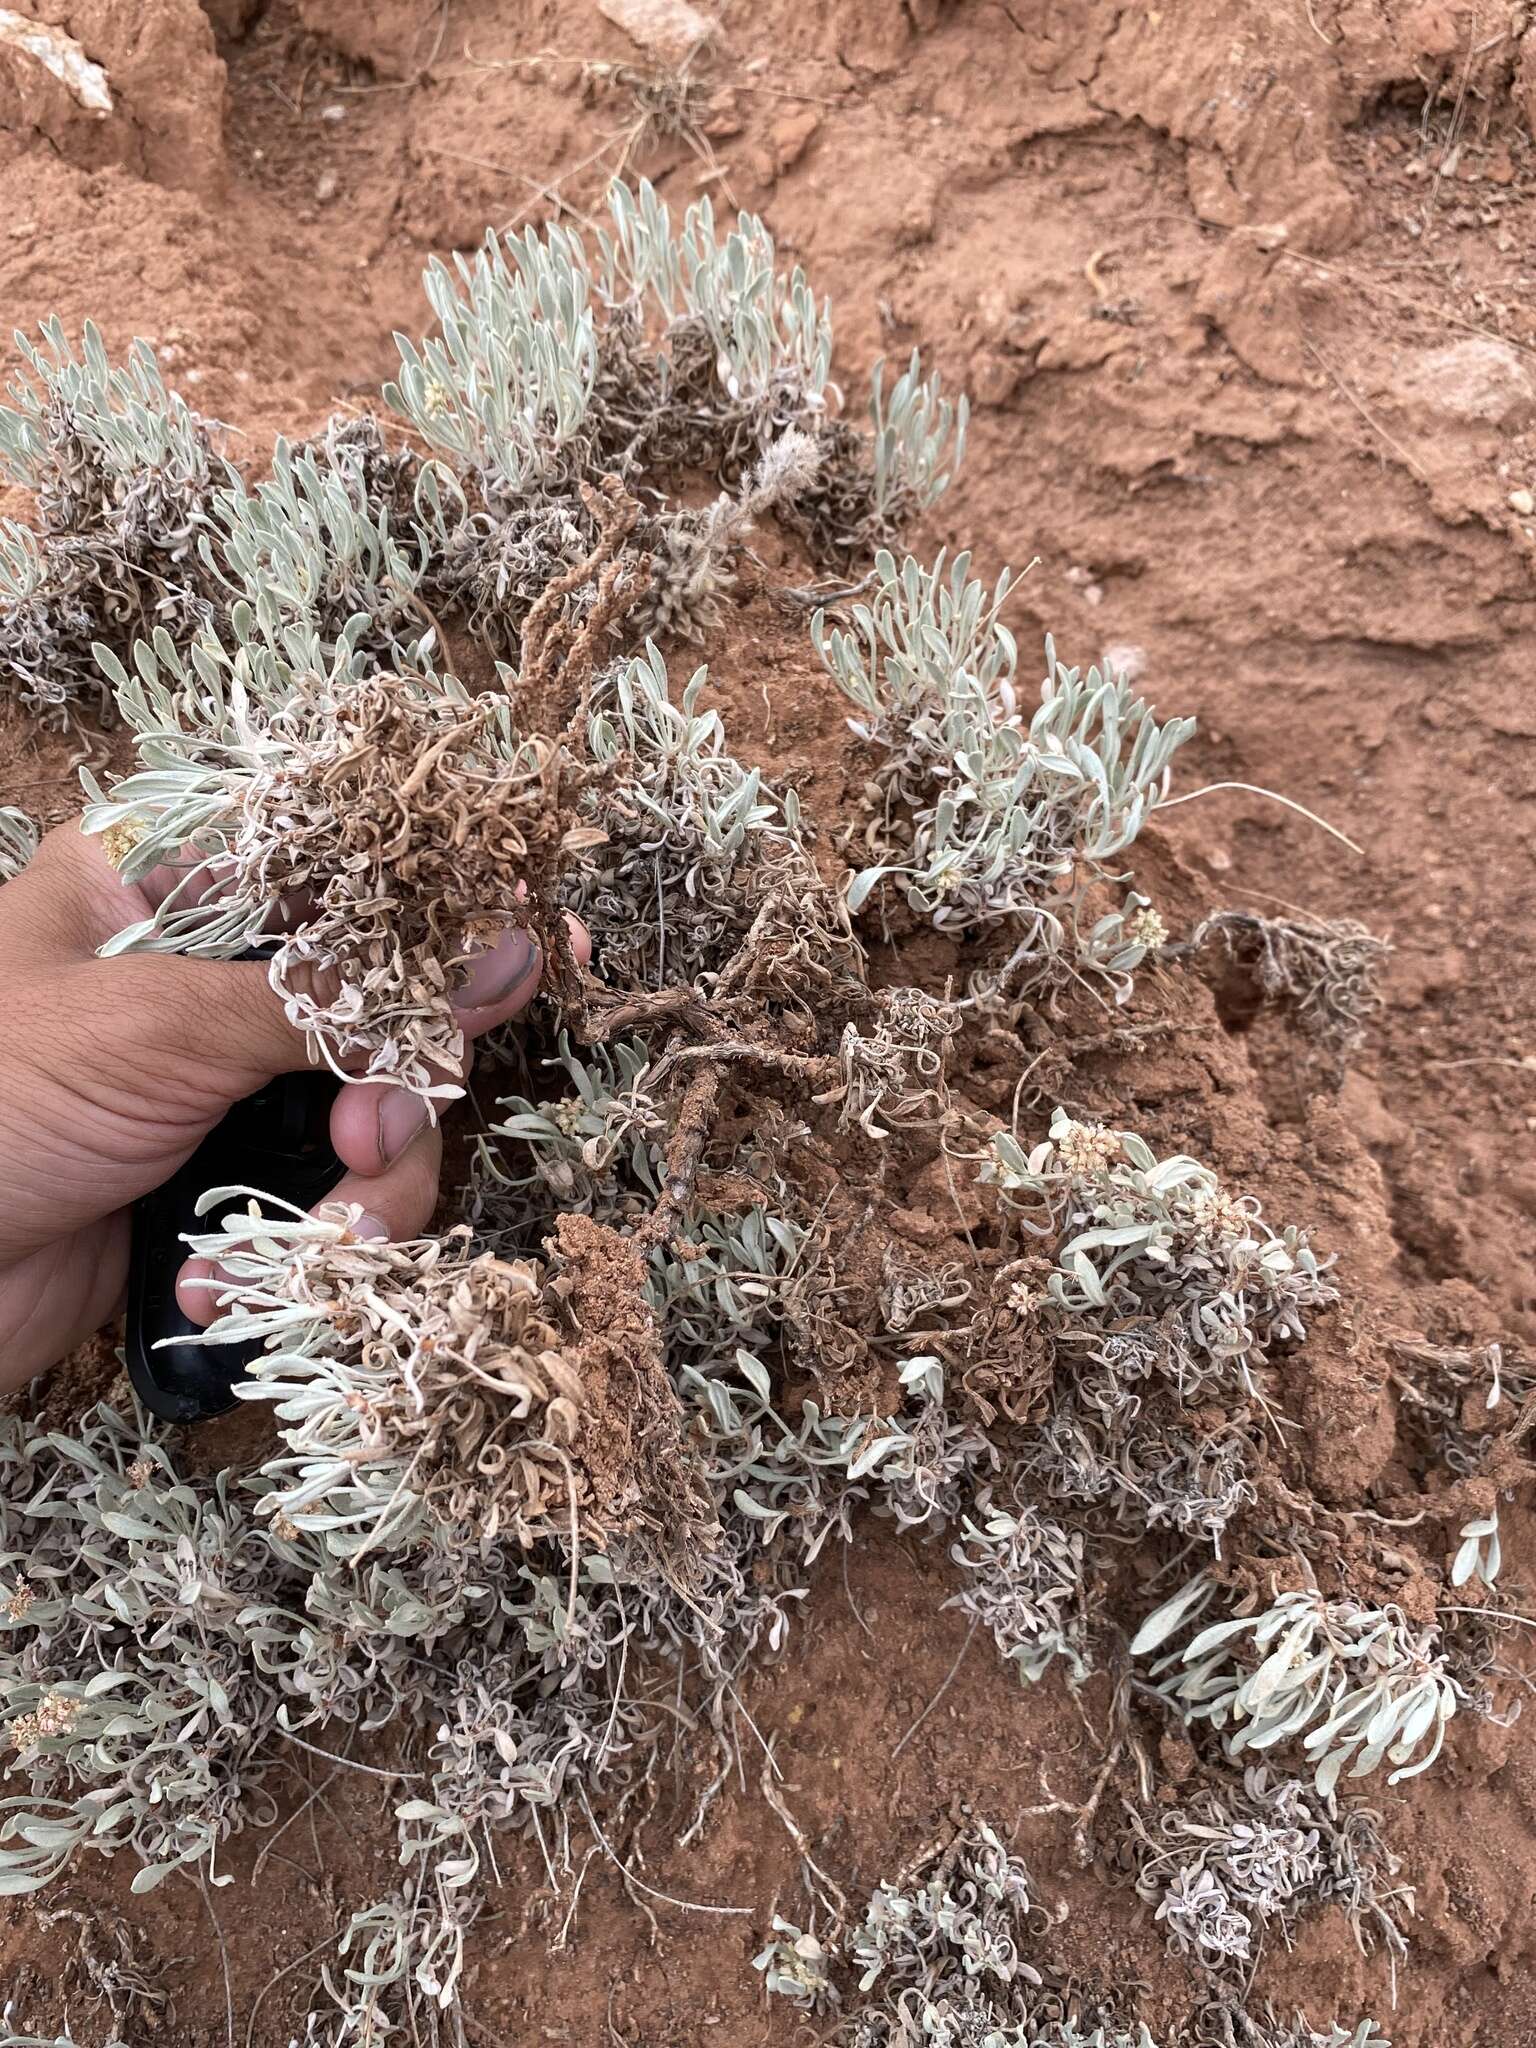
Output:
x=1243 y=292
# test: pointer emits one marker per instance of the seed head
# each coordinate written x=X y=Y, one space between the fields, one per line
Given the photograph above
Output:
x=55 y=1714
x=18 y=1601
x=119 y=840
x=1087 y=1149
x=1217 y=1214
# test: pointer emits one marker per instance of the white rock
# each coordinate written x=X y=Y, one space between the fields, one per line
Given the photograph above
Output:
x=60 y=54
x=1125 y=659
x=672 y=29
x=1475 y=379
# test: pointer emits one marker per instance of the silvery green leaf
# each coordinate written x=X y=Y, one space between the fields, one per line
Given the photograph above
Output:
x=1164 y=1621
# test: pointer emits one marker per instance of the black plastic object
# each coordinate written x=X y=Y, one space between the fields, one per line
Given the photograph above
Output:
x=278 y=1141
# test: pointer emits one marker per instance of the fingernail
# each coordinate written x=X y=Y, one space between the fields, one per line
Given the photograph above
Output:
x=402 y=1118
x=370 y=1226
x=495 y=975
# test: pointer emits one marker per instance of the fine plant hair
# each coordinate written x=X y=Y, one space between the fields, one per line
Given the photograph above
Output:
x=1327 y=972
x=121 y=471
x=1347 y=1683
x=981 y=817
x=18 y=841
x=1240 y=1859
x=691 y=570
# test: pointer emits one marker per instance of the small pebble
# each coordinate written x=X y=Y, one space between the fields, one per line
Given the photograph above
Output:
x=326 y=185
x=333 y=112
x=1523 y=503
x=1125 y=659
x=1093 y=593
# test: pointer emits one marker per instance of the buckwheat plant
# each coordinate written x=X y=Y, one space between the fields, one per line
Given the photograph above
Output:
x=18 y=841
x=968 y=1914
x=981 y=817
x=767 y=342
x=128 y=1592
x=596 y=1150
x=1024 y=1580
x=1480 y=1552
x=794 y=1966
x=311 y=550
x=690 y=835
x=504 y=389
x=894 y=1066
x=919 y=440
x=121 y=470
x=1117 y=1436
x=395 y=804
x=1241 y=1859
x=952 y=1953
x=1159 y=1243
x=412 y=1385
x=1327 y=971
x=47 y=621
x=669 y=348
x=1352 y=1685
x=1268 y=2032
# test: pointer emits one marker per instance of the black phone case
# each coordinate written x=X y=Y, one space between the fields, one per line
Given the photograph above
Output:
x=277 y=1141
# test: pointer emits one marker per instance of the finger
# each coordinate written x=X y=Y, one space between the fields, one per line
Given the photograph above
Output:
x=54 y=1299
x=373 y=1123
x=396 y=1204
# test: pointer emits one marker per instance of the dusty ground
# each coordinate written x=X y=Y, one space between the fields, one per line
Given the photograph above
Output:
x=1243 y=292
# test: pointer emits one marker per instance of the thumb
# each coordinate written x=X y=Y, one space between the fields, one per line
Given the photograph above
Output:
x=217 y=1024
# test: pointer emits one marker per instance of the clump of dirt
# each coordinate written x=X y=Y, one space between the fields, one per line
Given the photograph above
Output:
x=1242 y=298
x=631 y=1442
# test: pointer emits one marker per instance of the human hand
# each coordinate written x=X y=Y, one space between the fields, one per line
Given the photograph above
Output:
x=113 y=1072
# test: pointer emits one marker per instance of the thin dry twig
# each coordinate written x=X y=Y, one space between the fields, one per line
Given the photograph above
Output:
x=954 y=1672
